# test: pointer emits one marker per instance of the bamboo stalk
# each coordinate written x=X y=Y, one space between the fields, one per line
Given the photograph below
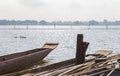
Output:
x=99 y=73
x=111 y=72
x=88 y=71
x=75 y=67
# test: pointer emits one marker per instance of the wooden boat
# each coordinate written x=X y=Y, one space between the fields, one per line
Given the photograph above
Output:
x=43 y=71
x=12 y=62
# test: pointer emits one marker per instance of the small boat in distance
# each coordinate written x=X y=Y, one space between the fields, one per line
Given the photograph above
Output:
x=12 y=62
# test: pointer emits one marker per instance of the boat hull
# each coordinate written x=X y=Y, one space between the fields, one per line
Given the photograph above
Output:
x=20 y=62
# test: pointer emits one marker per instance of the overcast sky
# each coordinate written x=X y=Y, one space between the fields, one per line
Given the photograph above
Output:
x=51 y=10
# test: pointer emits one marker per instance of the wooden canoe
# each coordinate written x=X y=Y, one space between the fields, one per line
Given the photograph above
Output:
x=12 y=62
x=56 y=66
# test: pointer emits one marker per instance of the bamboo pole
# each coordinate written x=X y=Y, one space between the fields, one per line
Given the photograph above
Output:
x=111 y=72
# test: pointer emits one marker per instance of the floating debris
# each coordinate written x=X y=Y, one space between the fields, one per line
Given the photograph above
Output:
x=21 y=37
x=15 y=37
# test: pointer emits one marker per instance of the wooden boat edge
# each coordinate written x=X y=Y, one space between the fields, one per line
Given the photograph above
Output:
x=46 y=51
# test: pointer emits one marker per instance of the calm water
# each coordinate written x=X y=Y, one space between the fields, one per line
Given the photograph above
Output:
x=99 y=40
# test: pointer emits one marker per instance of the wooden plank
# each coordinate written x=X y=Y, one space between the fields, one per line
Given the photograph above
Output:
x=103 y=52
x=50 y=45
x=97 y=60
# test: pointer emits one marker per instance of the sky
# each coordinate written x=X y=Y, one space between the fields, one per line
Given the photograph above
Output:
x=64 y=10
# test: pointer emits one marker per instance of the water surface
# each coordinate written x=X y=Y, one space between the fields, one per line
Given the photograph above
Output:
x=10 y=41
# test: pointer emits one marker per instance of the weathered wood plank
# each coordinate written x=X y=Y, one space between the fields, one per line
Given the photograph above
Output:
x=103 y=52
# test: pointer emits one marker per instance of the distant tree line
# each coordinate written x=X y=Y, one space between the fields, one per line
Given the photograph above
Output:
x=43 y=22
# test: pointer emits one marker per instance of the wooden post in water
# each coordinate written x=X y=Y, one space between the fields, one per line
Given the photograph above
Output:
x=80 y=49
x=27 y=27
x=54 y=26
x=106 y=26
x=89 y=25
x=14 y=27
